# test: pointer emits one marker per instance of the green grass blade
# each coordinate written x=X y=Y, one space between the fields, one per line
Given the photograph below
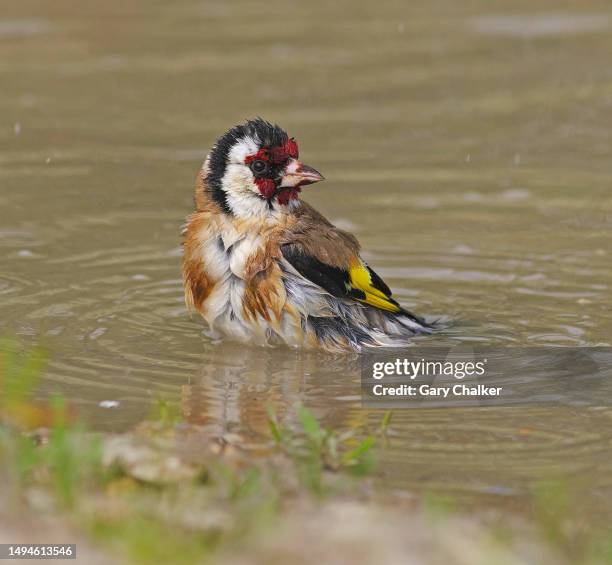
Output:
x=309 y=423
x=359 y=451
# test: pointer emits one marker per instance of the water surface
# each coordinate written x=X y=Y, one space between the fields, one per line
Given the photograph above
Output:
x=467 y=147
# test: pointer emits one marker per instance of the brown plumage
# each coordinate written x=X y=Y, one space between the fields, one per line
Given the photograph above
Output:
x=321 y=239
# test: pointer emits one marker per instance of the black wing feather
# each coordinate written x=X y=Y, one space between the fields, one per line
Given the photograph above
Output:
x=333 y=279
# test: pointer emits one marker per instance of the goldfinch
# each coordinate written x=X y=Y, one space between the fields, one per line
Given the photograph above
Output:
x=263 y=266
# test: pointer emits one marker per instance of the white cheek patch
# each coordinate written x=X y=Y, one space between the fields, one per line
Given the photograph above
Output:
x=239 y=152
x=238 y=182
x=241 y=191
x=238 y=178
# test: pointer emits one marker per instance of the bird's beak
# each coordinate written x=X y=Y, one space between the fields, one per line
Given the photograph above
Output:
x=297 y=174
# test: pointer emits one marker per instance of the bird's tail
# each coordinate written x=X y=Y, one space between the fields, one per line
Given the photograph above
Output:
x=382 y=329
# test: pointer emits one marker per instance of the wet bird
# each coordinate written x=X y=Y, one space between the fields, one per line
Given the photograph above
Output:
x=263 y=266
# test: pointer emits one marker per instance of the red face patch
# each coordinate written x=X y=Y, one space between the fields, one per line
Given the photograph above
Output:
x=275 y=156
x=267 y=187
x=285 y=196
x=262 y=155
x=288 y=151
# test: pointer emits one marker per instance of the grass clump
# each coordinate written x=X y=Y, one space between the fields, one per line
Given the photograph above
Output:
x=40 y=444
x=315 y=449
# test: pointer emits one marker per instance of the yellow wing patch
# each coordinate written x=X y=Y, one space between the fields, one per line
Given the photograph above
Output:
x=360 y=279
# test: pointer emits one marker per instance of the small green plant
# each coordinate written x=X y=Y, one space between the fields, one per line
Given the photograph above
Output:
x=60 y=454
x=315 y=449
x=19 y=375
x=146 y=539
x=20 y=371
x=165 y=413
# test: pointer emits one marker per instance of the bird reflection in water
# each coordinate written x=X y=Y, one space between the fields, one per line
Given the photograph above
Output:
x=235 y=388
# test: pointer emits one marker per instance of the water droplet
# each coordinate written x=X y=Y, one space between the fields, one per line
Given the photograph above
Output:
x=109 y=404
x=97 y=333
x=515 y=194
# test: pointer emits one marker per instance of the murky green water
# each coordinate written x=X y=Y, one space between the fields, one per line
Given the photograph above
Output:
x=466 y=144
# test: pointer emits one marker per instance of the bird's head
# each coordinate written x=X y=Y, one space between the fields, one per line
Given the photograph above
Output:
x=253 y=169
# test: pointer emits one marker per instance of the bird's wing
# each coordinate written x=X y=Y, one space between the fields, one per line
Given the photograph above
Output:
x=357 y=281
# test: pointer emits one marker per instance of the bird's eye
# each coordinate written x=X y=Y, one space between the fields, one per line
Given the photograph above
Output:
x=258 y=166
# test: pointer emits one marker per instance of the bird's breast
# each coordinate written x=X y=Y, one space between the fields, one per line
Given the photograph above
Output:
x=242 y=253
